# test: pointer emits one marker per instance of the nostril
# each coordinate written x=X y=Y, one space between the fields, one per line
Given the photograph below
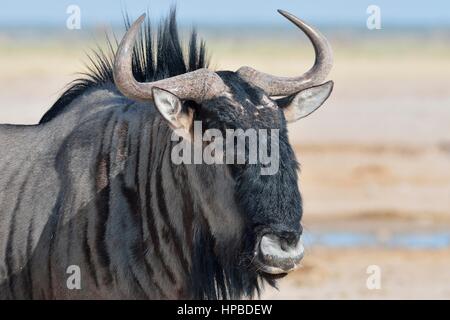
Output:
x=278 y=254
x=281 y=248
x=286 y=244
x=289 y=240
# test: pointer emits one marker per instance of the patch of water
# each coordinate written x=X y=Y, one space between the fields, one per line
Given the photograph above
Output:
x=347 y=239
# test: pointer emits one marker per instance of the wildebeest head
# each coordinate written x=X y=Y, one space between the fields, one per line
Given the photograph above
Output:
x=270 y=204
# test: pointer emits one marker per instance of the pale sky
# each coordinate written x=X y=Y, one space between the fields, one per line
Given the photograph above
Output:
x=228 y=12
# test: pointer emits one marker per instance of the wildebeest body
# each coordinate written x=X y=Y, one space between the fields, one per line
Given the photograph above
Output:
x=84 y=205
x=93 y=185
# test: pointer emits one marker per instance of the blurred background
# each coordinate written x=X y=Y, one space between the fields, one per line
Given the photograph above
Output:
x=375 y=159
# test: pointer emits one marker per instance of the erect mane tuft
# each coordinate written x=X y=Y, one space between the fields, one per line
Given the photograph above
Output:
x=155 y=57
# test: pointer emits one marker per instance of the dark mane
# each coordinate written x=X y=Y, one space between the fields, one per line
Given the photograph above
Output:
x=156 y=56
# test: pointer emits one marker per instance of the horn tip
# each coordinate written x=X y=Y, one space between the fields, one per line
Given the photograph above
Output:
x=290 y=17
x=284 y=13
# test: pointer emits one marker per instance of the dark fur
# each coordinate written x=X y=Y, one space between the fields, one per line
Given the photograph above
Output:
x=138 y=225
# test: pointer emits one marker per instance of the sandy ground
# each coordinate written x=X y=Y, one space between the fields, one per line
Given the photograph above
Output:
x=342 y=274
x=377 y=154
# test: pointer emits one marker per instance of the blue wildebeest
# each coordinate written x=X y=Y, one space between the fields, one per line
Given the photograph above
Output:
x=92 y=186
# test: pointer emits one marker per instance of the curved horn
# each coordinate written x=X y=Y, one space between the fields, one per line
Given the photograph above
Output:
x=278 y=86
x=197 y=85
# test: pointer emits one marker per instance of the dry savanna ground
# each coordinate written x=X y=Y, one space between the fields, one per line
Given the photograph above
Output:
x=376 y=156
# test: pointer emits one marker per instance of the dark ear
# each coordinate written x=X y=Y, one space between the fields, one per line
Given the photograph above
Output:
x=179 y=117
x=305 y=102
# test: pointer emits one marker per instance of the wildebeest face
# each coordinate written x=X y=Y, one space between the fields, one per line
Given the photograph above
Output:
x=270 y=204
